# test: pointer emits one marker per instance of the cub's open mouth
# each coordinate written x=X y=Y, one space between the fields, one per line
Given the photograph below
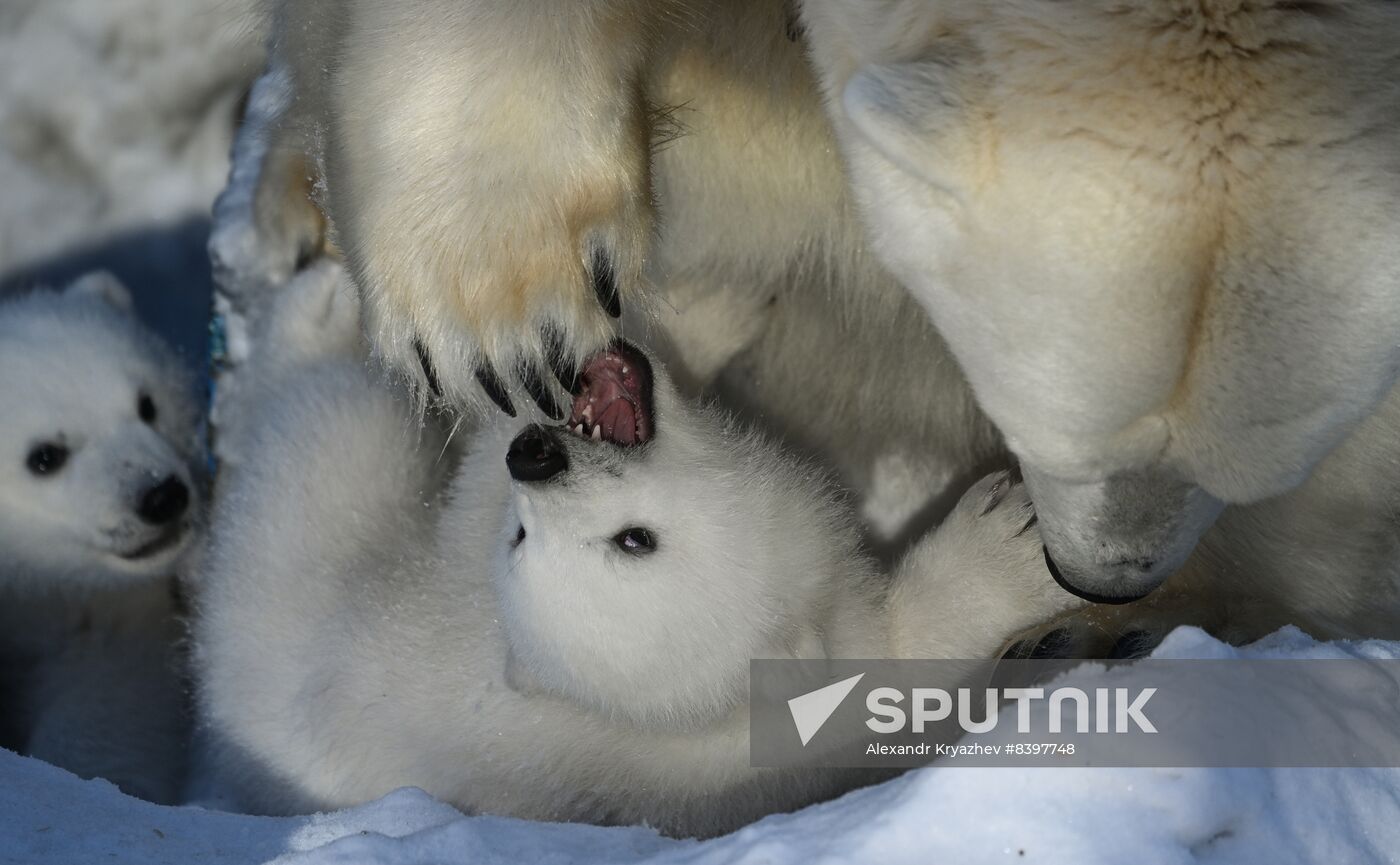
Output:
x=613 y=401
x=167 y=539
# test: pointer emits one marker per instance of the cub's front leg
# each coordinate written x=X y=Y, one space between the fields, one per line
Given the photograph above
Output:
x=485 y=172
x=979 y=580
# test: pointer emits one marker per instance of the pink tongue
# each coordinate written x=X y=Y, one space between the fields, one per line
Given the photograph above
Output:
x=619 y=422
x=610 y=396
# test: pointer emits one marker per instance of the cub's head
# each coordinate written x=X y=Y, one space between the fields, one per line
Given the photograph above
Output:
x=97 y=441
x=653 y=549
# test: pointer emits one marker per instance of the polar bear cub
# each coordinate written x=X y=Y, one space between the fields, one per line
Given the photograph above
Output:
x=98 y=505
x=560 y=626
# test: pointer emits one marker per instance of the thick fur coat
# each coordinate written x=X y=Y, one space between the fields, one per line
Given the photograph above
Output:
x=99 y=458
x=377 y=614
x=1159 y=236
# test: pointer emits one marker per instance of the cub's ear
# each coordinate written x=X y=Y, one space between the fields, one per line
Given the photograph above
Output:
x=103 y=286
x=917 y=116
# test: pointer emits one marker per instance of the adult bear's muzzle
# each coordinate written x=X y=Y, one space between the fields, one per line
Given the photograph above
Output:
x=1115 y=541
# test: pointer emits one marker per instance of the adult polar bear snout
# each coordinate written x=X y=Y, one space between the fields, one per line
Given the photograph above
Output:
x=1114 y=541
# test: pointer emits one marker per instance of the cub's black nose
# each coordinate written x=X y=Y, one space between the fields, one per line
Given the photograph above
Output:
x=535 y=455
x=164 y=502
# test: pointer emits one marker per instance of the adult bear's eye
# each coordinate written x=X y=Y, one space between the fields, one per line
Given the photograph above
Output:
x=146 y=408
x=46 y=459
x=635 y=540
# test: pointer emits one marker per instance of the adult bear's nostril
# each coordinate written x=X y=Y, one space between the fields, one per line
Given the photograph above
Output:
x=165 y=502
x=535 y=455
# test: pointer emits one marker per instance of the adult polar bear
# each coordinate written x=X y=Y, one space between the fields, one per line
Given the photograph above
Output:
x=1160 y=236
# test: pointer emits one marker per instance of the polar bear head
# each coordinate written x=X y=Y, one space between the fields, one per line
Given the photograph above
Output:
x=656 y=548
x=98 y=441
x=1160 y=237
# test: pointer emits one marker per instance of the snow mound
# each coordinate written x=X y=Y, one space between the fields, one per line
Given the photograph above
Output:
x=115 y=123
x=939 y=814
x=115 y=115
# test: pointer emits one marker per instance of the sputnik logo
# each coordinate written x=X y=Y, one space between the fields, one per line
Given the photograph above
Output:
x=812 y=710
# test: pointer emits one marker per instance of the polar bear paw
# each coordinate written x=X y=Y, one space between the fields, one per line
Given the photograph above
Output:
x=1000 y=547
x=500 y=285
x=316 y=315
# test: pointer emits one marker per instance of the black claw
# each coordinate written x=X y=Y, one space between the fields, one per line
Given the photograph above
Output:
x=605 y=283
x=996 y=495
x=1019 y=651
x=793 y=22
x=429 y=371
x=540 y=393
x=1056 y=644
x=558 y=358
x=1134 y=645
x=491 y=383
x=1035 y=518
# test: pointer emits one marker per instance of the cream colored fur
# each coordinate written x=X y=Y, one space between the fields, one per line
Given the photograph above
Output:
x=685 y=141
x=1160 y=236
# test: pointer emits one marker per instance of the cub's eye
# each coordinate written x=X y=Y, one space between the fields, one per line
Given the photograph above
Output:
x=636 y=541
x=519 y=536
x=146 y=408
x=46 y=459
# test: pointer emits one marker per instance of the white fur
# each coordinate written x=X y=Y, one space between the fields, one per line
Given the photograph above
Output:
x=86 y=631
x=1159 y=236
x=369 y=620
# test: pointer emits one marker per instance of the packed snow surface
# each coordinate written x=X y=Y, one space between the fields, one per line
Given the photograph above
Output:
x=946 y=814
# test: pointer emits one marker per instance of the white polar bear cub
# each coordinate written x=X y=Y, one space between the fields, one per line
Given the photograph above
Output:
x=560 y=626
x=98 y=456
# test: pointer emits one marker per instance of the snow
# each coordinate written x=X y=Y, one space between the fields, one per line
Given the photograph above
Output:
x=939 y=814
x=243 y=270
x=115 y=123
x=242 y=267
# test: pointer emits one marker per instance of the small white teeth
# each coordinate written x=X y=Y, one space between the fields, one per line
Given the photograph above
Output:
x=582 y=431
x=586 y=430
x=624 y=370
